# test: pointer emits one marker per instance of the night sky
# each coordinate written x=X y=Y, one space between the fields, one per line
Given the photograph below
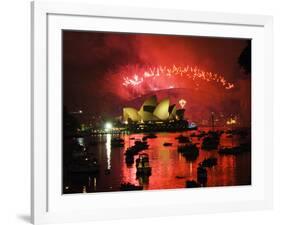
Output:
x=103 y=72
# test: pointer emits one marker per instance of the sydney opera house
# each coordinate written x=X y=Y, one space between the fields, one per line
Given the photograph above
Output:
x=151 y=110
x=154 y=115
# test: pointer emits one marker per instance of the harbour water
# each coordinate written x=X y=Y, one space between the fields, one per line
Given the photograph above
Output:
x=170 y=169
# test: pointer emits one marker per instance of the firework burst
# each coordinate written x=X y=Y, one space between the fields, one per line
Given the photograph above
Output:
x=146 y=74
x=137 y=80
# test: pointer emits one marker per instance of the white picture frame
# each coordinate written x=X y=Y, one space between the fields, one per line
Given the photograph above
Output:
x=49 y=206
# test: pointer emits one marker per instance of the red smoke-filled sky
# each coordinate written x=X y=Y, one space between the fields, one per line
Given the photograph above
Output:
x=103 y=72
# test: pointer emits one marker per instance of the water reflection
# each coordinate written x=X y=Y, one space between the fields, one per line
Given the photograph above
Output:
x=170 y=169
x=108 y=150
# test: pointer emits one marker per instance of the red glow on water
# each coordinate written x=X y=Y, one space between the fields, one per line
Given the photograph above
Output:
x=170 y=169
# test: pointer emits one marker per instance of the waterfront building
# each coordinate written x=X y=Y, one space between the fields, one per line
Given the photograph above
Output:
x=152 y=111
x=156 y=116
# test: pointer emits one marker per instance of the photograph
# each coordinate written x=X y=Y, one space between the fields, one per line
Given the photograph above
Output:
x=147 y=111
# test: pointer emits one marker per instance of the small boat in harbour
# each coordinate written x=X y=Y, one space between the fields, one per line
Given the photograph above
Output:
x=144 y=138
x=141 y=144
x=151 y=135
x=129 y=159
x=183 y=139
x=138 y=147
x=180 y=177
x=210 y=162
x=211 y=141
x=190 y=151
x=142 y=165
x=202 y=174
x=167 y=144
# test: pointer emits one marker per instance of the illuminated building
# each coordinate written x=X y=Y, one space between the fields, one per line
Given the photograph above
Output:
x=152 y=111
x=156 y=116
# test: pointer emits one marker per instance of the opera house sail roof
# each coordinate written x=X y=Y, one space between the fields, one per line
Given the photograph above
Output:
x=151 y=110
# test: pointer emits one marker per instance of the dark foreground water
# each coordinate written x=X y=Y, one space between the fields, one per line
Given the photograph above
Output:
x=169 y=168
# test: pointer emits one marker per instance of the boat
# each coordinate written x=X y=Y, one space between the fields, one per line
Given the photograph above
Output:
x=202 y=174
x=141 y=145
x=211 y=141
x=138 y=147
x=191 y=184
x=180 y=177
x=144 y=138
x=167 y=144
x=183 y=139
x=131 y=151
x=142 y=165
x=130 y=187
x=143 y=180
x=190 y=151
x=210 y=162
x=151 y=135
x=129 y=159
